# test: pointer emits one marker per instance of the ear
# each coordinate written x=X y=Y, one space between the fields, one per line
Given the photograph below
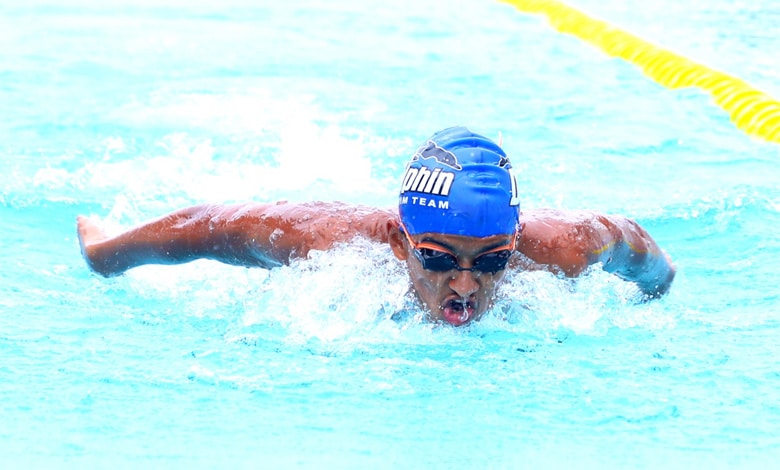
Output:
x=397 y=240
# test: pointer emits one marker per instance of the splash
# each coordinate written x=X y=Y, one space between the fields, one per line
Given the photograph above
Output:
x=359 y=294
x=546 y=305
x=352 y=290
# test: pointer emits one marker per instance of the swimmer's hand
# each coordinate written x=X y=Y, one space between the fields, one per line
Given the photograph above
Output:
x=90 y=235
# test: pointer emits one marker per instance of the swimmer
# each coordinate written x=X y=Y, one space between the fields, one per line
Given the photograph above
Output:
x=458 y=228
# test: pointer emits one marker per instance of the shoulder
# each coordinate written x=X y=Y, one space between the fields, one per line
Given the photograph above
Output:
x=320 y=224
x=301 y=212
x=563 y=239
x=560 y=217
x=547 y=223
x=330 y=214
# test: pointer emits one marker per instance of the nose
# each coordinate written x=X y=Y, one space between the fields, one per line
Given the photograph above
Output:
x=464 y=283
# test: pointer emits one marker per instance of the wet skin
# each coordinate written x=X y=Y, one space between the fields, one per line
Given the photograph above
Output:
x=273 y=234
x=455 y=297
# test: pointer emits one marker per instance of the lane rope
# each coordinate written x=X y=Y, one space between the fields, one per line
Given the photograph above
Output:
x=751 y=110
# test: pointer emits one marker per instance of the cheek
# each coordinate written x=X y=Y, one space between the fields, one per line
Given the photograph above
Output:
x=488 y=284
x=497 y=278
x=426 y=282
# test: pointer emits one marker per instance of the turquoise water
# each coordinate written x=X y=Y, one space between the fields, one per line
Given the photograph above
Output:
x=126 y=110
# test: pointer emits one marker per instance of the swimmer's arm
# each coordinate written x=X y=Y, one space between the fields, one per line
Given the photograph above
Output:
x=238 y=235
x=571 y=242
x=628 y=251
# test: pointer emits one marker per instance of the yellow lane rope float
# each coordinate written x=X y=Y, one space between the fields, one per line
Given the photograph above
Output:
x=751 y=110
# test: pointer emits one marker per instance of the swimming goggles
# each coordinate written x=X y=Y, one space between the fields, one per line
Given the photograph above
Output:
x=435 y=258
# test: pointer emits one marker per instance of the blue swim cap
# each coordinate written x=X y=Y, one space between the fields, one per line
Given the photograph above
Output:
x=459 y=183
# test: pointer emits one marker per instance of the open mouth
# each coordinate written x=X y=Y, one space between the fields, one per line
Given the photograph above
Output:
x=458 y=311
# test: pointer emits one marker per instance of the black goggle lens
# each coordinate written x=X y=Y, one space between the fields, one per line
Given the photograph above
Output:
x=434 y=260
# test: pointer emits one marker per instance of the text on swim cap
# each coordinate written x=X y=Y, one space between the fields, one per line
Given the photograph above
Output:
x=425 y=202
x=423 y=180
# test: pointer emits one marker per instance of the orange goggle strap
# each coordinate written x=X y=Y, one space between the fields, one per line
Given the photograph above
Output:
x=435 y=247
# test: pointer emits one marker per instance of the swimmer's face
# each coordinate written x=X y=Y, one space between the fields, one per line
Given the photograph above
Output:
x=453 y=296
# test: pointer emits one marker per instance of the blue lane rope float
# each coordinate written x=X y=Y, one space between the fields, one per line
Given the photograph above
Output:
x=751 y=110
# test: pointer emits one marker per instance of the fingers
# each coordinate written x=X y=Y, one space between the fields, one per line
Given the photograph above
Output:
x=90 y=234
x=89 y=231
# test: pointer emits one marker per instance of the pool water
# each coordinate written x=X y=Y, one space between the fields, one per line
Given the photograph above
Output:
x=125 y=110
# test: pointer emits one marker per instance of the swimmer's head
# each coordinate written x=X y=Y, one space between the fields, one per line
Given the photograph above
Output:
x=459 y=183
